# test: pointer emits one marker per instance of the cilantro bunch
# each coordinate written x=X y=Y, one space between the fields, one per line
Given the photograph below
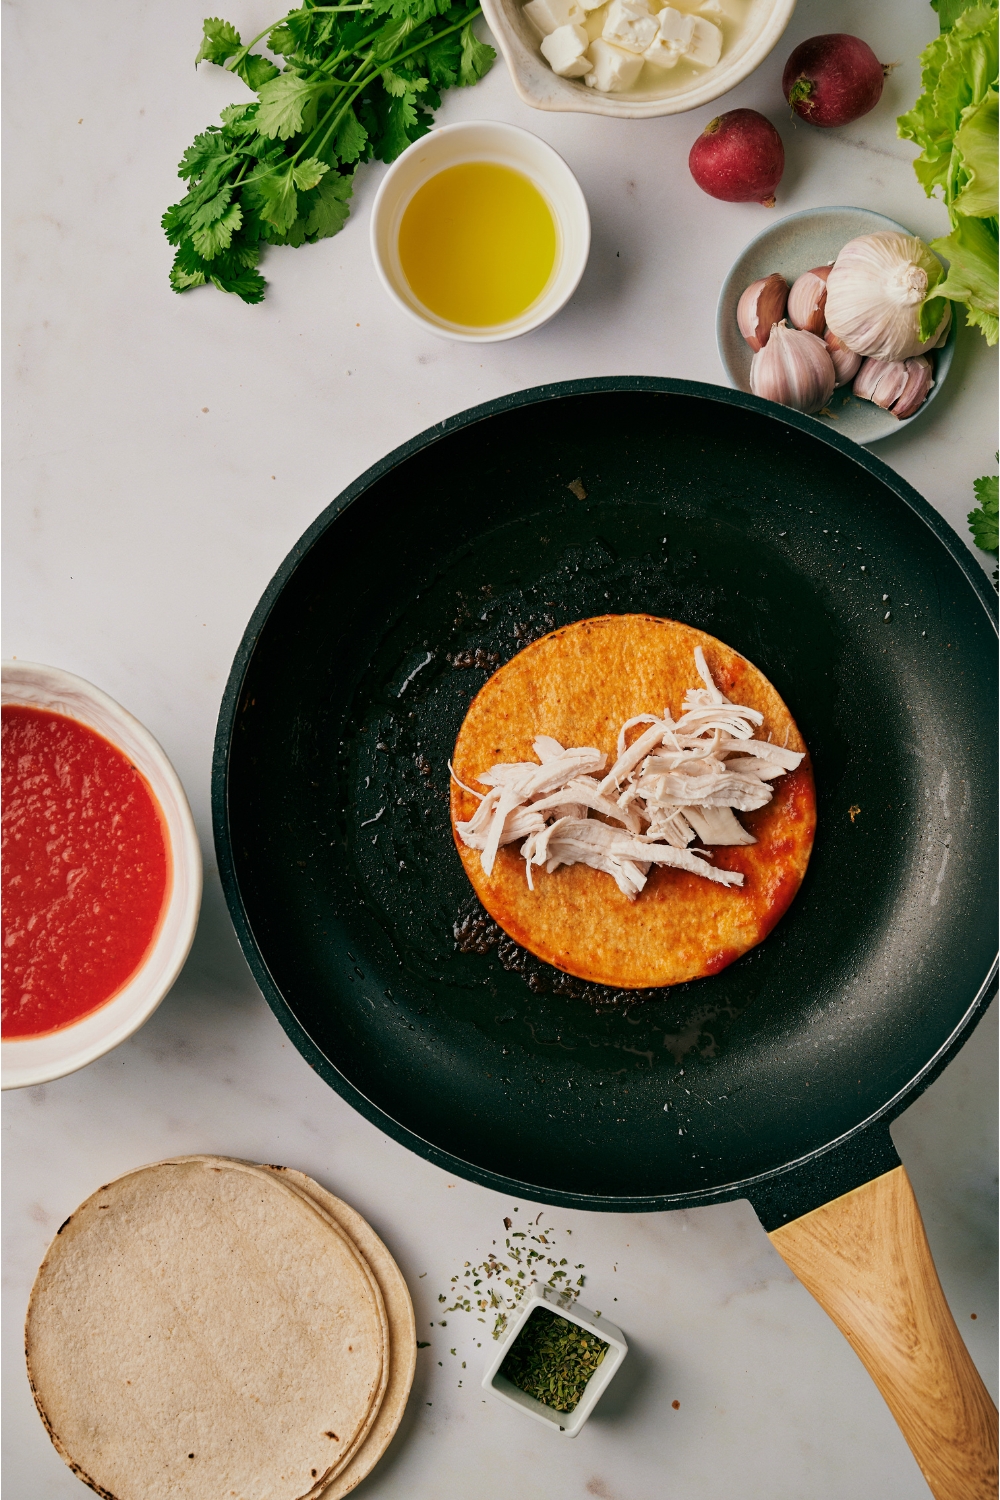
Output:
x=984 y=521
x=955 y=121
x=359 y=80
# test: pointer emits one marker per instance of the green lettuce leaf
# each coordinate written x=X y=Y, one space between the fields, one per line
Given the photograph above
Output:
x=972 y=275
x=958 y=69
x=976 y=140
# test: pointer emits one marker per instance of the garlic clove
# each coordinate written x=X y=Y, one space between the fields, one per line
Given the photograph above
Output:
x=881 y=381
x=875 y=291
x=919 y=380
x=846 y=363
x=760 y=307
x=899 y=386
x=807 y=300
x=794 y=368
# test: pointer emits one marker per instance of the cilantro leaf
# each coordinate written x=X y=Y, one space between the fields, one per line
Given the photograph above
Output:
x=330 y=211
x=400 y=127
x=352 y=137
x=308 y=173
x=183 y=280
x=984 y=521
x=250 y=285
x=278 y=200
x=442 y=58
x=395 y=84
x=287 y=105
x=200 y=152
x=220 y=40
x=212 y=210
x=418 y=10
x=281 y=42
x=477 y=58
x=255 y=70
x=218 y=234
x=240 y=119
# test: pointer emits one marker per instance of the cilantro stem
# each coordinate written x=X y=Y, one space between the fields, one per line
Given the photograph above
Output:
x=238 y=57
x=376 y=73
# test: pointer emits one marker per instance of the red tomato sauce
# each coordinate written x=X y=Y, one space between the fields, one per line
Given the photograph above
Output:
x=86 y=871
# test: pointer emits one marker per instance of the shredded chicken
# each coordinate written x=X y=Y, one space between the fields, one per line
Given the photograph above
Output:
x=676 y=782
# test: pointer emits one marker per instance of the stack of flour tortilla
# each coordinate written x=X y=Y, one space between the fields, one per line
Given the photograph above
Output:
x=205 y=1328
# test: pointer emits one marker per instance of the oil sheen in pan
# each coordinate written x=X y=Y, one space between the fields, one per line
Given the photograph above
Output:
x=407 y=714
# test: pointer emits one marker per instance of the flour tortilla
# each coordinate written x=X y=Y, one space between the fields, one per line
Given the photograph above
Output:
x=402 y=1330
x=580 y=684
x=197 y=1306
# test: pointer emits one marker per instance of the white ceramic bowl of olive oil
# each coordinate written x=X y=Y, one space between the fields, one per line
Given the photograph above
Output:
x=480 y=232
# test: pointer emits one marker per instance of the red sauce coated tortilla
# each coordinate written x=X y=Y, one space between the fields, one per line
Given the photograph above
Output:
x=86 y=871
x=580 y=684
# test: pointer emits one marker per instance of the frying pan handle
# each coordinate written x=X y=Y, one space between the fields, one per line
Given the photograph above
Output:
x=866 y=1260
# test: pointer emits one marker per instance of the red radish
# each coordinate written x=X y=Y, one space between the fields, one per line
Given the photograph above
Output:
x=832 y=80
x=739 y=158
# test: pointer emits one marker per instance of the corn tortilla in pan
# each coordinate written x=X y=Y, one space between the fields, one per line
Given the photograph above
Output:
x=579 y=685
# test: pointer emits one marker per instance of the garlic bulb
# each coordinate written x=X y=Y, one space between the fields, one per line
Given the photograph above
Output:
x=899 y=386
x=794 y=368
x=845 y=362
x=875 y=291
x=807 y=300
x=761 y=306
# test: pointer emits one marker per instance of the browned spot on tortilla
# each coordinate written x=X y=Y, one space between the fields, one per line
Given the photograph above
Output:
x=579 y=685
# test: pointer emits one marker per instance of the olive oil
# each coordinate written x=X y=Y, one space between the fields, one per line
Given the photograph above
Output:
x=477 y=244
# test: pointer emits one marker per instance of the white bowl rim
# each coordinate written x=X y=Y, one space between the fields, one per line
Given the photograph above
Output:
x=185 y=851
x=577 y=98
x=818 y=211
x=543 y=314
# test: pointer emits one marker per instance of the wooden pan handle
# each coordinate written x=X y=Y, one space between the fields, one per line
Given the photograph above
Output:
x=866 y=1260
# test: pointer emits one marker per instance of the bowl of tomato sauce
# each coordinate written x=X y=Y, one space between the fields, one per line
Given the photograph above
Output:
x=101 y=874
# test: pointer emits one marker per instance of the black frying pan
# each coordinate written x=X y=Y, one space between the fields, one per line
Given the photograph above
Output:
x=776 y=1080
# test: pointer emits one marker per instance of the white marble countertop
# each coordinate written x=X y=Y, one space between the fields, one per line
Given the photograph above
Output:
x=163 y=453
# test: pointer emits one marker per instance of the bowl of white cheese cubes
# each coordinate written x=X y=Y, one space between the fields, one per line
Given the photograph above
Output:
x=632 y=58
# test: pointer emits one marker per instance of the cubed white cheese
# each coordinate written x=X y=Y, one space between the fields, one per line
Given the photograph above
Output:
x=662 y=53
x=629 y=24
x=721 y=10
x=613 y=70
x=705 y=47
x=590 y=5
x=548 y=15
x=684 y=36
x=565 y=51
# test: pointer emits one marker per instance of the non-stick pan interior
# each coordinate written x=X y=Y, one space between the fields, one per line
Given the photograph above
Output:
x=725 y=518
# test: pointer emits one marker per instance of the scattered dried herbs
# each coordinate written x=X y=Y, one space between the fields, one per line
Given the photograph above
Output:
x=552 y=1360
x=529 y=1253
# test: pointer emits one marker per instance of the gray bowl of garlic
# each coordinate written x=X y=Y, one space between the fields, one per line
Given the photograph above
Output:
x=750 y=29
x=790 y=247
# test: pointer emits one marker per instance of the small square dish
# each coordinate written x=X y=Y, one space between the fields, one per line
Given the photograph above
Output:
x=545 y=1303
